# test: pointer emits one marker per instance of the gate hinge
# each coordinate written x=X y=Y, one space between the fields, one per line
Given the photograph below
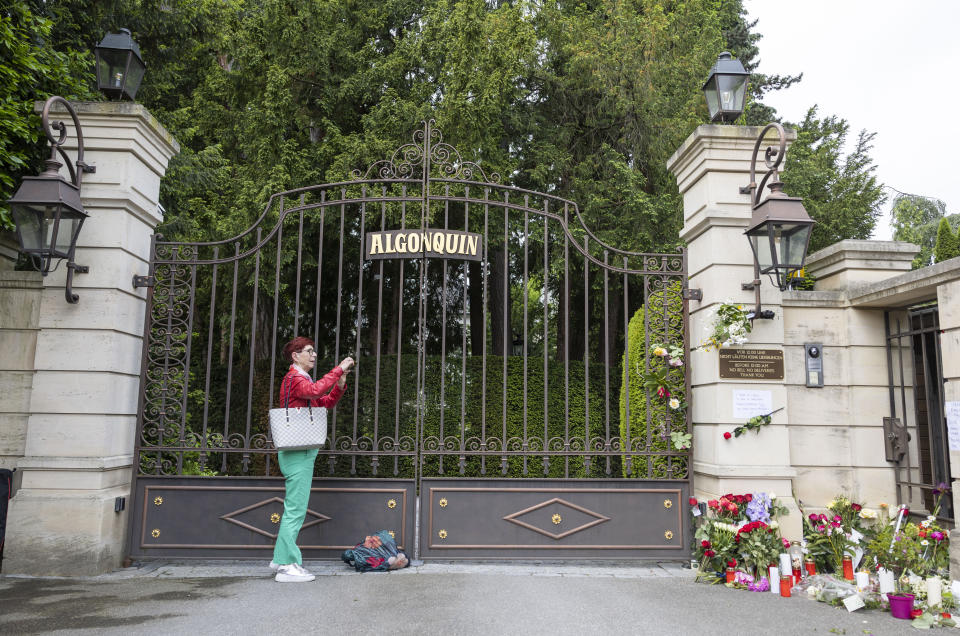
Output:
x=693 y=293
x=144 y=281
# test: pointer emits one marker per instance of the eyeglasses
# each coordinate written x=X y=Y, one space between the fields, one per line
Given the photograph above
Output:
x=308 y=351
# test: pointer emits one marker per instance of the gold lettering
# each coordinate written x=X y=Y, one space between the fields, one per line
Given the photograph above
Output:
x=401 y=243
x=438 y=242
x=413 y=246
x=376 y=244
x=471 y=245
x=389 y=249
x=451 y=243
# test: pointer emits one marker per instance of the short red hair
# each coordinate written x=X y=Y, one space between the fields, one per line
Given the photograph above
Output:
x=296 y=346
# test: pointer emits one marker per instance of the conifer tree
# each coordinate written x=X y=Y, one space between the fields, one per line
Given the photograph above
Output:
x=948 y=243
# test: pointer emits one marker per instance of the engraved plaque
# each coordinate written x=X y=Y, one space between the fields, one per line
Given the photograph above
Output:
x=751 y=364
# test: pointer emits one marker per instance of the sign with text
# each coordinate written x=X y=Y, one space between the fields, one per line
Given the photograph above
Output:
x=751 y=364
x=420 y=243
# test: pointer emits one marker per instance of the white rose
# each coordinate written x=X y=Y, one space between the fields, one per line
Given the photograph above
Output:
x=773 y=495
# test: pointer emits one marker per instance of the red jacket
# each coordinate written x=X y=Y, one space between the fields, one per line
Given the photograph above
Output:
x=305 y=392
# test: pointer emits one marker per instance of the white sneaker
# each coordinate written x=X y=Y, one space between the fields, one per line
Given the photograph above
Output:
x=274 y=566
x=293 y=573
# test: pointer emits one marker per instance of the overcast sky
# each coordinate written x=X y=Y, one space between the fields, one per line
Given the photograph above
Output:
x=891 y=67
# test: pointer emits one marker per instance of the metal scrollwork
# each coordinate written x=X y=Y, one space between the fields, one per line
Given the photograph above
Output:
x=772 y=158
x=426 y=152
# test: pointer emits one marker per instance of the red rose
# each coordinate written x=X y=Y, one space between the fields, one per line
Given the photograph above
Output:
x=693 y=501
x=727 y=435
x=945 y=614
x=704 y=544
x=917 y=613
x=732 y=563
x=713 y=503
x=710 y=554
x=856 y=507
x=923 y=534
x=748 y=497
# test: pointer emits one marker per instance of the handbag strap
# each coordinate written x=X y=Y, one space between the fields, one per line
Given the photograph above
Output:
x=286 y=401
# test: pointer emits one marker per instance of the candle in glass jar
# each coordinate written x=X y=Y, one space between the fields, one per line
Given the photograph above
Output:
x=730 y=575
x=785 y=585
x=810 y=566
x=848 y=568
x=863 y=581
x=784 y=563
x=774 y=572
x=886 y=581
x=933 y=591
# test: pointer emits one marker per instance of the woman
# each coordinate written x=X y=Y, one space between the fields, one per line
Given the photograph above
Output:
x=297 y=465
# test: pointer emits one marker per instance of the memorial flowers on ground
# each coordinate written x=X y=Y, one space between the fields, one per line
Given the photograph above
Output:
x=902 y=562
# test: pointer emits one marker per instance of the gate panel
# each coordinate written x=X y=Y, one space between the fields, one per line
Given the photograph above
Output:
x=560 y=519
x=513 y=363
x=208 y=517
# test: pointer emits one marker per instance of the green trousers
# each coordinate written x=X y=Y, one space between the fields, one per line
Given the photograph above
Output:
x=297 y=467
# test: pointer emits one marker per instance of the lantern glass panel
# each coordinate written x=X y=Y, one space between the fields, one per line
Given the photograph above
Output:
x=761 y=244
x=713 y=102
x=134 y=76
x=28 y=221
x=731 y=89
x=793 y=239
x=113 y=65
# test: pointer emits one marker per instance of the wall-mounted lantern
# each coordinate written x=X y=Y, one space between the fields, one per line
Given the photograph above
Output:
x=119 y=65
x=47 y=209
x=726 y=89
x=780 y=228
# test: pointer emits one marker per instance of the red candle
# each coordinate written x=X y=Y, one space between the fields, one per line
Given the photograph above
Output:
x=786 y=582
x=797 y=575
x=730 y=574
x=811 y=567
x=848 y=568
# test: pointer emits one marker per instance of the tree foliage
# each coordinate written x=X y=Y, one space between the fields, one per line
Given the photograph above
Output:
x=916 y=219
x=30 y=71
x=841 y=193
x=948 y=243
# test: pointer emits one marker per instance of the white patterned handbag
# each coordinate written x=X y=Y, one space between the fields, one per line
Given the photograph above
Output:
x=298 y=428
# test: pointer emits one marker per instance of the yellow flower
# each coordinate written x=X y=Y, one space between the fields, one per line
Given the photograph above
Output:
x=659 y=351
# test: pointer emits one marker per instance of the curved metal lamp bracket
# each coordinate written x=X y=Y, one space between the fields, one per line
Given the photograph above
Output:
x=76 y=170
x=772 y=157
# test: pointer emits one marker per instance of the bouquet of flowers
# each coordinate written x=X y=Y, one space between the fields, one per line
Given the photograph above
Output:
x=730 y=327
x=759 y=544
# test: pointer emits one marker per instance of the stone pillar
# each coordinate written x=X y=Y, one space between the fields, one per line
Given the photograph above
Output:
x=948 y=303
x=83 y=405
x=710 y=167
x=19 y=320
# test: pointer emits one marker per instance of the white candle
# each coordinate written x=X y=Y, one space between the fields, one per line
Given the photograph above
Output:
x=774 y=574
x=863 y=581
x=933 y=591
x=785 y=562
x=886 y=581
x=955 y=589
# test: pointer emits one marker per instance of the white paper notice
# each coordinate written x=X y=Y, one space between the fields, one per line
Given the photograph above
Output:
x=746 y=404
x=953 y=424
x=853 y=603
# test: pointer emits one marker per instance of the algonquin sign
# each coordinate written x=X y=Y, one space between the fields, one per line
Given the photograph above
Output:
x=417 y=243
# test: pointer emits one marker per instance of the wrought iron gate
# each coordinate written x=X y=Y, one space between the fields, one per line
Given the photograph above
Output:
x=495 y=411
x=916 y=431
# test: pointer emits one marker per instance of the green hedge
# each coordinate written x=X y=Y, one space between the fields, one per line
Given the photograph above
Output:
x=642 y=405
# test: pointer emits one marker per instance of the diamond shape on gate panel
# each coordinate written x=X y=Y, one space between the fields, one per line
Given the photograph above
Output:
x=232 y=517
x=515 y=518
